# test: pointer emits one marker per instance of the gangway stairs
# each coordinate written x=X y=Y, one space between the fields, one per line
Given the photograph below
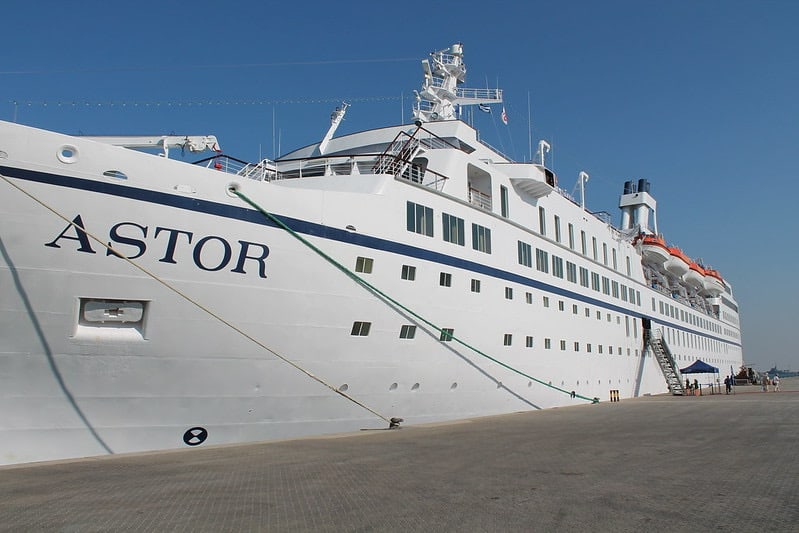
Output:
x=661 y=351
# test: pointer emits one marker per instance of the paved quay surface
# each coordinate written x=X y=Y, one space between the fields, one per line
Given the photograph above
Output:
x=661 y=463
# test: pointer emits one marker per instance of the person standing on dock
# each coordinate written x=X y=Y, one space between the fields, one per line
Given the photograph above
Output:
x=776 y=382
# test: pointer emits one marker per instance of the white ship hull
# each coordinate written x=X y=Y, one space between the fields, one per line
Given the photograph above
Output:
x=216 y=307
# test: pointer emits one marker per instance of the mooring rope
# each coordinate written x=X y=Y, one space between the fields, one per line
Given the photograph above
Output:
x=386 y=298
x=196 y=303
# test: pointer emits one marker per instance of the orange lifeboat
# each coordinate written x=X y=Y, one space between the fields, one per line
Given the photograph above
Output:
x=695 y=277
x=678 y=263
x=714 y=284
x=654 y=251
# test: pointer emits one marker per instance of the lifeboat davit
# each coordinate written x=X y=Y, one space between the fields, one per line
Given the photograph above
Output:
x=654 y=251
x=678 y=263
x=714 y=284
x=695 y=277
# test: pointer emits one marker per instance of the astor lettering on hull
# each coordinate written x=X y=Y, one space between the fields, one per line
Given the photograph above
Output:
x=132 y=240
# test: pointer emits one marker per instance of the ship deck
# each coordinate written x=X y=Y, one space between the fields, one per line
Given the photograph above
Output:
x=654 y=463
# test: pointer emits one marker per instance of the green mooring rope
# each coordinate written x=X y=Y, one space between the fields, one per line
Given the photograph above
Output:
x=386 y=297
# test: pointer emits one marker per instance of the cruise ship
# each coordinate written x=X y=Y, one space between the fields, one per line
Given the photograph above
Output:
x=397 y=276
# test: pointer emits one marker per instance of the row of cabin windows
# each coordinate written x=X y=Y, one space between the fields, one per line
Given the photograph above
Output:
x=365 y=265
x=608 y=287
x=542 y=229
x=408 y=331
x=420 y=220
x=676 y=313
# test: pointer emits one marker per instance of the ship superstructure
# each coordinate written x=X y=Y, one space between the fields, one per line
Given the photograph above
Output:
x=409 y=272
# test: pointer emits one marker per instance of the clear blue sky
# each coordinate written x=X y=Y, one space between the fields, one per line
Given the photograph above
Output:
x=699 y=97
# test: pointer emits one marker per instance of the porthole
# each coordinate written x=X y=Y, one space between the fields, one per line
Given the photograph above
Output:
x=453 y=386
x=393 y=386
x=67 y=154
x=344 y=387
x=415 y=386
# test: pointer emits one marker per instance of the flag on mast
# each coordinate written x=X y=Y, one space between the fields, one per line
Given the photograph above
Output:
x=504 y=116
x=484 y=108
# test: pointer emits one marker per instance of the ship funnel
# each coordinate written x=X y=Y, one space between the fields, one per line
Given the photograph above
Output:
x=636 y=205
x=628 y=187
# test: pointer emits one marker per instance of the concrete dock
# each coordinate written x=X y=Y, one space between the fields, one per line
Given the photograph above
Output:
x=661 y=463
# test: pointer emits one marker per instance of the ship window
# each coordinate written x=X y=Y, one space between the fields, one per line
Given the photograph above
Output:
x=614 y=289
x=604 y=253
x=528 y=341
x=571 y=236
x=605 y=285
x=360 y=329
x=445 y=279
x=507 y=340
x=594 y=247
x=624 y=292
x=525 y=254
x=407 y=331
x=541 y=260
x=546 y=301
x=582 y=243
x=408 y=272
x=584 y=276
x=446 y=334
x=557 y=266
x=574 y=309
x=571 y=272
x=629 y=268
x=528 y=297
x=547 y=344
x=481 y=238
x=576 y=346
x=364 y=264
x=599 y=315
x=557 y=228
x=420 y=219
x=588 y=311
x=453 y=229
x=588 y=347
x=562 y=345
x=475 y=285
x=509 y=293
x=615 y=260
x=503 y=197
x=561 y=305
x=542 y=220
x=599 y=348
x=595 y=281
